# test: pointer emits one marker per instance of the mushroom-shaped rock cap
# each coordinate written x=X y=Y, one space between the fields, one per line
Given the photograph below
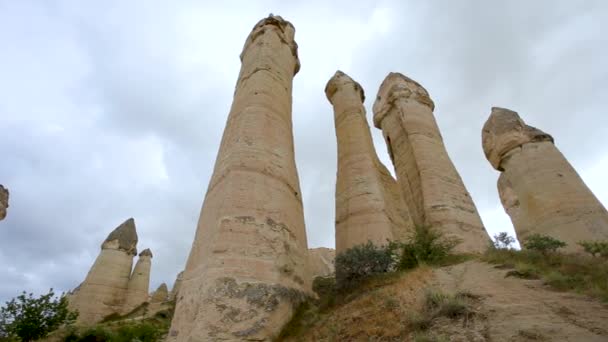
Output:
x=504 y=131
x=146 y=252
x=342 y=80
x=3 y=201
x=124 y=237
x=285 y=30
x=394 y=87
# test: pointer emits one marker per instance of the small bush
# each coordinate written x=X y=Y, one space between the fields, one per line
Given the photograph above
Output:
x=425 y=245
x=438 y=304
x=503 y=240
x=363 y=261
x=595 y=248
x=543 y=243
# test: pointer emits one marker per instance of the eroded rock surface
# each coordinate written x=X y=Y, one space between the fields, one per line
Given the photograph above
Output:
x=139 y=282
x=321 y=261
x=432 y=188
x=247 y=270
x=369 y=204
x=161 y=294
x=176 y=286
x=104 y=289
x=3 y=201
x=539 y=189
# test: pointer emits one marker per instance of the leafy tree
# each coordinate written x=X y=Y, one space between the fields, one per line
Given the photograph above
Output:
x=30 y=318
x=503 y=240
x=595 y=248
x=543 y=243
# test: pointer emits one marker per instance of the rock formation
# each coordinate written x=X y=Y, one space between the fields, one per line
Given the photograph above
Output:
x=369 y=205
x=321 y=262
x=432 y=188
x=139 y=283
x=104 y=290
x=539 y=189
x=3 y=201
x=176 y=286
x=160 y=295
x=247 y=270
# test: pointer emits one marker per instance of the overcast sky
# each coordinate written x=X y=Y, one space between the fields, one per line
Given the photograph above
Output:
x=115 y=109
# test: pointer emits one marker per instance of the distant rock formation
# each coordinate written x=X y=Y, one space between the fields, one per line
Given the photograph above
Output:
x=3 y=201
x=160 y=295
x=139 y=282
x=432 y=188
x=539 y=189
x=247 y=270
x=321 y=261
x=104 y=290
x=369 y=203
x=176 y=286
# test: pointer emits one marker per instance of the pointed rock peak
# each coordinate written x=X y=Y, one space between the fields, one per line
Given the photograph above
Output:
x=162 y=288
x=124 y=237
x=339 y=80
x=146 y=252
x=160 y=295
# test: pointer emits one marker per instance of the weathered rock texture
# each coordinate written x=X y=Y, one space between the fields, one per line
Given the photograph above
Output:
x=139 y=283
x=247 y=270
x=104 y=290
x=321 y=261
x=539 y=189
x=176 y=286
x=369 y=204
x=432 y=188
x=3 y=201
x=160 y=295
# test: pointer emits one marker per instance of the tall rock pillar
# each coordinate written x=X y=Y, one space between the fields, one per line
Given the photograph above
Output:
x=539 y=189
x=247 y=270
x=104 y=290
x=432 y=188
x=139 y=283
x=369 y=203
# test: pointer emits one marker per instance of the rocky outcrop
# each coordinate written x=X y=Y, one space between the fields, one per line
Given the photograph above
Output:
x=321 y=261
x=139 y=282
x=247 y=270
x=539 y=189
x=160 y=295
x=104 y=289
x=3 y=201
x=369 y=205
x=432 y=188
x=176 y=286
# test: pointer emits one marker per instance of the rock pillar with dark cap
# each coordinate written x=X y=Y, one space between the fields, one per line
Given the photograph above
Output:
x=247 y=270
x=432 y=188
x=539 y=189
x=369 y=203
x=104 y=290
x=139 y=283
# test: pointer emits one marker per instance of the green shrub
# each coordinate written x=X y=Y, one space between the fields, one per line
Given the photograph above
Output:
x=362 y=261
x=543 y=243
x=425 y=245
x=595 y=248
x=141 y=332
x=503 y=240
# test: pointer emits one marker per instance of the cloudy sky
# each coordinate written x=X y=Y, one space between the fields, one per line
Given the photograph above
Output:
x=115 y=109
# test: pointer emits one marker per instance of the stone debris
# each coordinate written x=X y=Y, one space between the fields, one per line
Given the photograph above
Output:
x=369 y=203
x=432 y=188
x=539 y=189
x=250 y=249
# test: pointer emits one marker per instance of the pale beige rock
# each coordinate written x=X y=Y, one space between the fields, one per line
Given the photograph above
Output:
x=176 y=286
x=104 y=290
x=321 y=261
x=432 y=188
x=139 y=283
x=367 y=208
x=247 y=270
x=160 y=295
x=539 y=189
x=3 y=202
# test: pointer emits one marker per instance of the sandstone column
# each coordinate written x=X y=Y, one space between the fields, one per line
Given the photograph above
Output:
x=247 y=270
x=433 y=190
x=104 y=290
x=139 y=283
x=369 y=205
x=176 y=286
x=539 y=189
x=3 y=201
